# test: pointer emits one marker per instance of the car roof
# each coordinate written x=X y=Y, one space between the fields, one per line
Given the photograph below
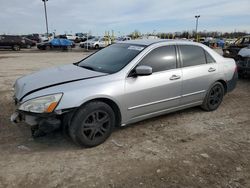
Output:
x=145 y=42
x=148 y=42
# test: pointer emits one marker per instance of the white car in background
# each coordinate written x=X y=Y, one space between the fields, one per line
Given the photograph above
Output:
x=71 y=37
x=43 y=37
x=96 y=43
x=119 y=39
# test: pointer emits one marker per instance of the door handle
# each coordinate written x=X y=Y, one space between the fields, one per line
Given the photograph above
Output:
x=174 y=77
x=211 y=69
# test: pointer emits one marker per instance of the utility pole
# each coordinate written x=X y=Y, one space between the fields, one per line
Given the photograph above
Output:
x=196 y=30
x=46 y=19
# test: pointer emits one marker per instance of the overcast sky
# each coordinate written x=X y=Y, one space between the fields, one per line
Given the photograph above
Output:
x=123 y=16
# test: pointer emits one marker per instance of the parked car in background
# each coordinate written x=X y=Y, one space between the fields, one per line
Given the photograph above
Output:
x=56 y=43
x=71 y=37
x=119 y=39
x=229 y=41
x=61 y=36
x=206 y=40
x=13 y=42
x=28 y=43
x=43 y=38
x=233 y=49
x=80 y=37
x=33 y=37
x=243 y=62
x=96 y=43
x=84 y=38
x=122 y=84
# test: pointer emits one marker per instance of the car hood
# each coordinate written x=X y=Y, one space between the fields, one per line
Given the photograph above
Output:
x=51 y=77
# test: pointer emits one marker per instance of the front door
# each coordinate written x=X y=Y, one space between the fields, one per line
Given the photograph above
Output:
x=148 y=95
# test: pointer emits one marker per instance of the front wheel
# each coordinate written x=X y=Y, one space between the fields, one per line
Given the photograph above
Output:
x=92 y=124
x=214 y=97
x=97 y=46
x=47 y=48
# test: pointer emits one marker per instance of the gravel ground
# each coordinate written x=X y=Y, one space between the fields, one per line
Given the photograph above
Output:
x=190 y=148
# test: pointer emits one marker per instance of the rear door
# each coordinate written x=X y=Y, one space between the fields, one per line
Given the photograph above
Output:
x=199 y=71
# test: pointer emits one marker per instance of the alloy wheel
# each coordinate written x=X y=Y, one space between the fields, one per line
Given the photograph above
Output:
x=216 y=95
x=96 y=125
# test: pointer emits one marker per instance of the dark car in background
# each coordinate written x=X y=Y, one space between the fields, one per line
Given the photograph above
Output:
x=56 y=43
x=13 y=42
x=243 y=62
x=233 y=50
x=82 y=37
x=28 y=43
x=33 y=37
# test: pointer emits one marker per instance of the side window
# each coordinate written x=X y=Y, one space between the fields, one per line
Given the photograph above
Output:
x=246 y=41
x=192 y=55
x=239 y=41
x=209 y=58
x=160 y=59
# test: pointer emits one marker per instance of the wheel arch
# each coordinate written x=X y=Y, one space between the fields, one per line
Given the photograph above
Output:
x=115 y=107
x=223 y=82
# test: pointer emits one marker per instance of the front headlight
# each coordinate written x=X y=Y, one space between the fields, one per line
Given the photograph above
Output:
x=45 y=104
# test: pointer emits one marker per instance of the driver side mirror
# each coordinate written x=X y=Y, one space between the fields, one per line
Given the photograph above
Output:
x=143 y=70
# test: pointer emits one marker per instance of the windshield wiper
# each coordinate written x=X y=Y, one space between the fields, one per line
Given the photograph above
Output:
x=97 y=69
x=88 y=67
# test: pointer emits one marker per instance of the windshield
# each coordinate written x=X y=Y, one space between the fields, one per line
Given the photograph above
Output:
x=112 y=58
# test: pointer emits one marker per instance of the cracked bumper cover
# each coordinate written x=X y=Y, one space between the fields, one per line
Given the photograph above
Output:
x=44 y=122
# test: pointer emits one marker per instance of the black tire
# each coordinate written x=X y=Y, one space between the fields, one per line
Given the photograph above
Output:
x=47 y=48
x=214 y=97
x=97 y=46
x=92 y=124
x=69 y=48
x=16 y=47
x=28 y=46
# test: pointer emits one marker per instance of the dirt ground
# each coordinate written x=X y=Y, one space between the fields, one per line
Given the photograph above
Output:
x=190 y=148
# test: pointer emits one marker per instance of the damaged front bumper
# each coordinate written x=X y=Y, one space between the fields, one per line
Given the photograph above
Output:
x=41 y=124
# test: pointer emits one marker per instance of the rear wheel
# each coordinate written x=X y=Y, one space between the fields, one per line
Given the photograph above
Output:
x=214 y=97
x=92 y=124
x=16 y=47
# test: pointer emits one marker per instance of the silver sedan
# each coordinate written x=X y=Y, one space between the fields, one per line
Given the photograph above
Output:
x=122 y=84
